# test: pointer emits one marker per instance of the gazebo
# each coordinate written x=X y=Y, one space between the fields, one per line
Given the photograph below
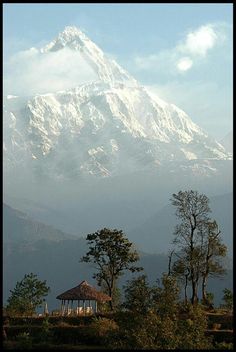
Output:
x=85 y=294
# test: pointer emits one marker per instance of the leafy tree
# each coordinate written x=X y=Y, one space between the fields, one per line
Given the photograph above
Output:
x=140 y=298
x=148 y=331
x=27 y=295
x=166 y=297
x=112 y=254
x=228 y=298
x=138 y=295
x=198 y=241
x=155 y=319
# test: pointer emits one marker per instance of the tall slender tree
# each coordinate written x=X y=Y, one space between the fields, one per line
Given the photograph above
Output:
x=181 y=271
x=198 y=240
x=213 y=250
x=193 y=210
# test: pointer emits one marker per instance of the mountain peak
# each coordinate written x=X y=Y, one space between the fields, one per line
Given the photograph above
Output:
x=72 y=30
x=107 y=70
x=71 y=33
x=71 y=37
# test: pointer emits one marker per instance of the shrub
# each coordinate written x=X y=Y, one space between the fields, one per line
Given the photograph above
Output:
x=148 y=331
x=101 y=326
x=24 y=341
x=191 y=331
x=228 y=299
x=223 y=346
x=102 y=330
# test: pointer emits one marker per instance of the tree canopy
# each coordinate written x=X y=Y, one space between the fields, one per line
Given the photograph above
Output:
x=111 y=253
x=27 y=295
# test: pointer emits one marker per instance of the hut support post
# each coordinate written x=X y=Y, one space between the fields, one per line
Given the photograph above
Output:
x=84 y=306
x=63 y=307
x=96 y=307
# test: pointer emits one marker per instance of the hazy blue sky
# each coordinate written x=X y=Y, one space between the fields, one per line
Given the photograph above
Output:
x=181 y=51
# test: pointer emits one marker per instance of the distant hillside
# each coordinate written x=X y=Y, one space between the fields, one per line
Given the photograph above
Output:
x=156 y=234
x=18 y=227
x=58 y=263
x=31 y=246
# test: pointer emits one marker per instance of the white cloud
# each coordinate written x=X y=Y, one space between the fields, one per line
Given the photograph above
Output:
x=184 y=64
x=187 y=53
x=198 y=42
x=30 y=72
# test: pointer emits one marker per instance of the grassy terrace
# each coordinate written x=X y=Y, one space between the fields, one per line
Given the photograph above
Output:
x=87 y=332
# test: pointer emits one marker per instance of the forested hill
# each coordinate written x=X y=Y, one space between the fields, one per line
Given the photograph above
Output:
x=18 y=227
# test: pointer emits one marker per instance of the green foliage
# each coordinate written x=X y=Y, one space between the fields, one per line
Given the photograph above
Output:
x=148 y=331
x=210 y=297
x=24 y=341
x=112 y=254
x=228 y=299
x=191 y=332
x=101 y=330
x=140 y=298
x=208 y=302
x=27 y=295
x=45 y=334
x=138 y=295
x=166 y=297
x=185 y=329
x=156 y=320
x=224 y=346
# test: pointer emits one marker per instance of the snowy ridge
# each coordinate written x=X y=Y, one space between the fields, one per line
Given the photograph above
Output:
x=107 y=70
x=105 y=127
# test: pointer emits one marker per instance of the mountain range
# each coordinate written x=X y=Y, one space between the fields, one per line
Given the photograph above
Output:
x=105 y=127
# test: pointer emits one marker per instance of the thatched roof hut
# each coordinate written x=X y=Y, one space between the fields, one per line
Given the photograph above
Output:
x=82 y=292
x=85 y=293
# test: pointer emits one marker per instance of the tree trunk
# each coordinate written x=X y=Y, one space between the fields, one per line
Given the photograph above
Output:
x=4 y=334
x=194 y=298
x=169 y=263
x=111 y=294
x=185 y=289
x=111 y=305
x=204 y=282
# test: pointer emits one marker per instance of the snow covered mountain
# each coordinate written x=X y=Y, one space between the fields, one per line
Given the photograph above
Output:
x=109 y=126
x=227 y=142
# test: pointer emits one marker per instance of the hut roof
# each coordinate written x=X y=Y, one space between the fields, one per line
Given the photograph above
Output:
x=84 y=291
